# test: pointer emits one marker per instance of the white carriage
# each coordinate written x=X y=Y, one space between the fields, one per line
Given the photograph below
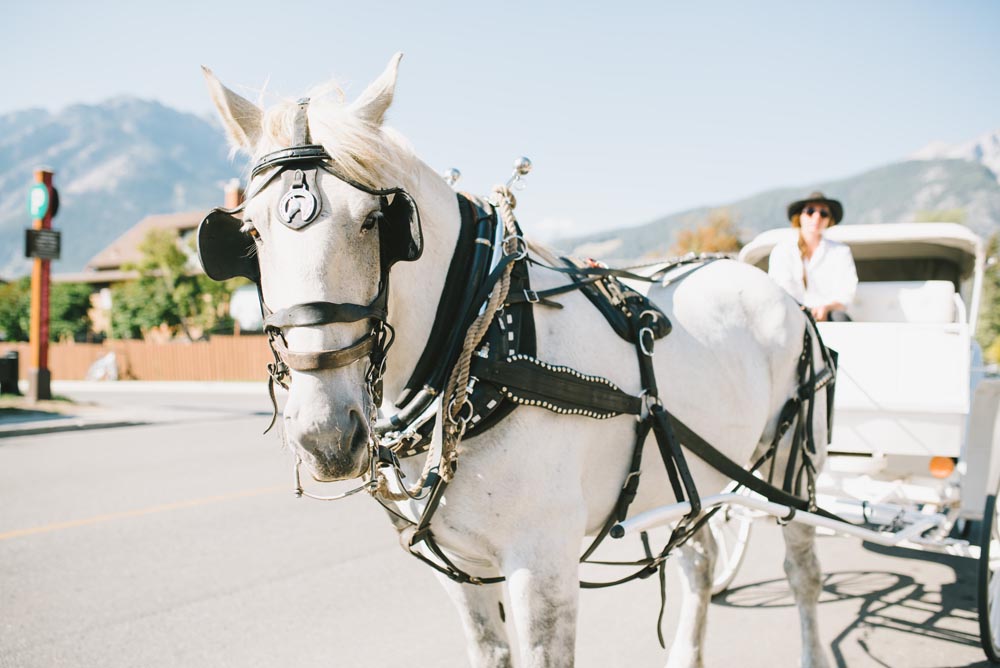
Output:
x=913 y=460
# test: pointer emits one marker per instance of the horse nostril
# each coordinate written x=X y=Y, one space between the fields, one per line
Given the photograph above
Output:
x=359 y=431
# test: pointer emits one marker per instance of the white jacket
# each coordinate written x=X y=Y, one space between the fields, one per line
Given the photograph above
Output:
x=832 y=276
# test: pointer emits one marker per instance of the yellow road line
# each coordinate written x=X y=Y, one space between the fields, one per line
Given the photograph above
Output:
x=180 y=505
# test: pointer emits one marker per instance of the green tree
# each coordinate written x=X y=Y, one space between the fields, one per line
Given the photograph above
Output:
x=69 y=304
x=988 y=333
x=69 y=311
x=15 y=310
x=166 y=293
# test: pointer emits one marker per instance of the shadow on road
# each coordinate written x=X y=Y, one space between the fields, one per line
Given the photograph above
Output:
x=888 y=602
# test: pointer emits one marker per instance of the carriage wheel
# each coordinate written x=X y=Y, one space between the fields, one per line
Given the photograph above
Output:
x=989 y=582
x=730 y=527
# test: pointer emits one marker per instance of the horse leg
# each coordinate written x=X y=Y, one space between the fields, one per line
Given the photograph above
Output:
x=804 y=577
x=697 y=561
x=481 y=611
x=543 y=588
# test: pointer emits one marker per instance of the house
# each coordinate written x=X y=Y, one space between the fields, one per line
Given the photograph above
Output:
x=107 y=268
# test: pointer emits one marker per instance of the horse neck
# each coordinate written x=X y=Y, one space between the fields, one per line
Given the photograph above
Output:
x=415 y=287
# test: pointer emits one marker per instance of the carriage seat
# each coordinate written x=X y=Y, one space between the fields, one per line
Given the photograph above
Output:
x=928 y=302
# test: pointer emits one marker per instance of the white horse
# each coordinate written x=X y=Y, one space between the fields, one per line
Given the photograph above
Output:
x=528 y=490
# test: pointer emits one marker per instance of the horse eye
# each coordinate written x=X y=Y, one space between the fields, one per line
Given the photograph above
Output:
x=372 y=219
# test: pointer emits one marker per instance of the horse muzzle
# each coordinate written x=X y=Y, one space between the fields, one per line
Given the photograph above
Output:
x=332 y=448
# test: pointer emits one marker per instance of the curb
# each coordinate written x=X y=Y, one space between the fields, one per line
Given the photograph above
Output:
x=34 y=428
x=183 y=386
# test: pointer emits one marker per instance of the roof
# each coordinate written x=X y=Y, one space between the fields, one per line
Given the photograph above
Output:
x=125 y=249
x=96 y=277
x=893 y=240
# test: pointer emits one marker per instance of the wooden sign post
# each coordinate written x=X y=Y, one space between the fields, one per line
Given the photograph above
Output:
x=43 y=201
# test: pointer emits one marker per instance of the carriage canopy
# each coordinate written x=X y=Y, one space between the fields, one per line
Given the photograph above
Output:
x=901 y=252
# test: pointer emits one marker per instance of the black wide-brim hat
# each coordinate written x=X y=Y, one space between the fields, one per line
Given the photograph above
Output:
x=817 y=197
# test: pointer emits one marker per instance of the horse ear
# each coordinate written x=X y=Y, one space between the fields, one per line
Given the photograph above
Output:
x=241 y=118
x=372 y=104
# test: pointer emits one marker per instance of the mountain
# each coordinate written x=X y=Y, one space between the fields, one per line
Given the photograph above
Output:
x=939 y=177
x=126 y=158
x=985 y=150
x=114 y=164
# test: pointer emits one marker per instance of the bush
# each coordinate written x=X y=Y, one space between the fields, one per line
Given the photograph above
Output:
x=718 y=234
x=166 y=294
x=69 y=304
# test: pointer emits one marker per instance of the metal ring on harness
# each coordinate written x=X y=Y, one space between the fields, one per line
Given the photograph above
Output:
x=656 y=316
x=647 y=351
x=456 y=418
x=520 y=250
x=648 y=400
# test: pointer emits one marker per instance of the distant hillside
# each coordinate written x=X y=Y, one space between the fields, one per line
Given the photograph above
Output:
x=114 y=163
x=985 y=150
x=893 y=193
x=122 y=160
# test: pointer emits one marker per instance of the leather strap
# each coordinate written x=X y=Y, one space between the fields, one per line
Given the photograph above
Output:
x=308 y=153
x=300 y=132
x=325 y=313
x=707 y=453
x=655 y=277
x=540 y=296
x=559 y=385
x=324 y=359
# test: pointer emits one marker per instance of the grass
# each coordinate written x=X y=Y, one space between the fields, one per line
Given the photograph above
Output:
x=11 y=404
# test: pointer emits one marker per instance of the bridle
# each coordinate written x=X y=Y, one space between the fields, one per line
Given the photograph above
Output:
x=227 y=250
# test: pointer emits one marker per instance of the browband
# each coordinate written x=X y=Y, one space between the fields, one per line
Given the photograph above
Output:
x=310 y=153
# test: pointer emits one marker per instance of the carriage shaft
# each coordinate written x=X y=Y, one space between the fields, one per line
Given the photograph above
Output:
x=909 y=535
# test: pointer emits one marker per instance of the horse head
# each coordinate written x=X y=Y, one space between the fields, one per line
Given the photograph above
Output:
x=324 y=219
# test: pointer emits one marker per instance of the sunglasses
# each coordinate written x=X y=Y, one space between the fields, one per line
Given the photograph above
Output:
x=810 y=210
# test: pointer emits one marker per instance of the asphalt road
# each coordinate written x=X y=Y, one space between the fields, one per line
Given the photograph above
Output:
x=180 y=543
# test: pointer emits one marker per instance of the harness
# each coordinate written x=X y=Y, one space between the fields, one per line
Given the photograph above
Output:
x=512 y=372
x=481 y=362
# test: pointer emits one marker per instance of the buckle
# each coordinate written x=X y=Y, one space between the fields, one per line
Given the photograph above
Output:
x=647 y=351
x=532 y=296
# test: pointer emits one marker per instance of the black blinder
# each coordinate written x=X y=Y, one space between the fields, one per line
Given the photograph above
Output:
x=400 y=235
x=225 y=251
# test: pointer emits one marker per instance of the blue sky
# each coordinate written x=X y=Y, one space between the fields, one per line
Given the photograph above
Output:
x=628 y=111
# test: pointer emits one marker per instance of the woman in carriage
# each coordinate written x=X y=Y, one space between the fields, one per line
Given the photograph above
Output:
x=818 y=272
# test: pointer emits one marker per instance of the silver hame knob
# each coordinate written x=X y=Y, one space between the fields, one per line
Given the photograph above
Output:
x=522 y=165
x=451 y=176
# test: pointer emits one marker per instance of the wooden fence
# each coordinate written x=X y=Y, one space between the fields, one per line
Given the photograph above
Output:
x=220 y=358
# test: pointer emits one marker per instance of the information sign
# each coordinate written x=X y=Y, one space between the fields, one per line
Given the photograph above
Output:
x=43 y=244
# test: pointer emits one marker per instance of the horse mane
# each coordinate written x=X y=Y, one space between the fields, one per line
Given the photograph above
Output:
x=373 y=155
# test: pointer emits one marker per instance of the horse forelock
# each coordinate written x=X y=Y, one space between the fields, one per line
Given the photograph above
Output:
x=373 y=155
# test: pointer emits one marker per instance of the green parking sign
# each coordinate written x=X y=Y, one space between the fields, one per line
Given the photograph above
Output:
x=38 y=200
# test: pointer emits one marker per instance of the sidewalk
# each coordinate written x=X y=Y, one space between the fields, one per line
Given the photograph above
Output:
x=20 y=417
